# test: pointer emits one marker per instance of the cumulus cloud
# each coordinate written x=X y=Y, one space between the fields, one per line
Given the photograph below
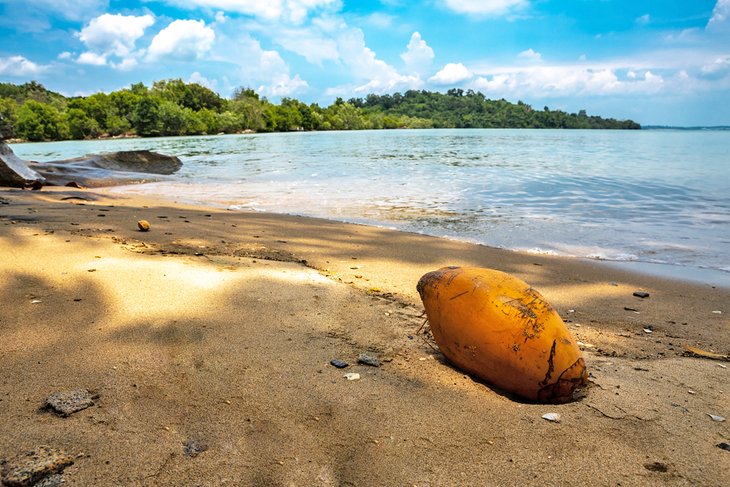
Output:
x=377 y=75
x=267 y=70
x=113 y=35
x=530 y=55
x=484 y=7
x=643 y=20
x=451 y=74
x=418 y=56
x=295 y=11
x=717 y=69
x=182 y=39
x=92 y=59
x=20 y=66
x=198 y=78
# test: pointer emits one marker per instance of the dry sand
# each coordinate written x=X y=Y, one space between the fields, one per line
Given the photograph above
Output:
x=212 y=334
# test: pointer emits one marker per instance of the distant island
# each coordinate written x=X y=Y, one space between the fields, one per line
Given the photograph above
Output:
x=173 y=107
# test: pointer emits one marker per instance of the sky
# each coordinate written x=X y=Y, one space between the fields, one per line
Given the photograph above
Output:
x=657 y=62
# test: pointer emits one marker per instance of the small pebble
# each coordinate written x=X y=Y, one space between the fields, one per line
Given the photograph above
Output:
x=368 y=360
x=143 y=225
x=552 y=417
x=65 y=403
x=717 y=312
x=352 y=376
x=192 y=447
x=340 y=364
x=641 y=294
x=715 y=417
x=724 y=446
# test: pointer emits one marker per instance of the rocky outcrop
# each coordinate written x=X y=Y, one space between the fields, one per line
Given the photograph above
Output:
x=14 y=171
x=94 y=170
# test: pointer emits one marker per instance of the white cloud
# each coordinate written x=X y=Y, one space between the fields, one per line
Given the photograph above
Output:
x=720 y=14
x=364 y=65
x=67 y=9
x=92 y=58
x=266 y=70
x=65 y=55
x=295 y=11
x=311 y=45
x=380 y=20
x=198 y=78
x=484 y=7
x=114 y=34
x=530 y=55
x=20 y=66
x=452 y=73
x=719 y=68
x=567 y=80
x=182 y=39
x=418 y=55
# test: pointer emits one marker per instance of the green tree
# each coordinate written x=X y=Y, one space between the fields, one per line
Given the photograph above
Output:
x=80 y=125
x=8 y=118
x=38 y=121
x=146 y=117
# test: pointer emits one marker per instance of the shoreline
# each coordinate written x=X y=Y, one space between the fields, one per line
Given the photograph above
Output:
x=216 y=328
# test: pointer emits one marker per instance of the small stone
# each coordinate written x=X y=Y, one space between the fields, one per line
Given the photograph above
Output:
x=641 y=294
x=55 y=480
x=143 y=225
x=65 y=403
x=368 y=360
x=192 y=447
x=31 y=467
x=552 y=417
x=724 y=446
x=352 y=376
x=717 y=418
x=717 y=312
x=340 y=364
x=648 y=330
x=656 y=467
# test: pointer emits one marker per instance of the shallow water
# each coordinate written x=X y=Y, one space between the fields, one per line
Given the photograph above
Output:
x=645 y=196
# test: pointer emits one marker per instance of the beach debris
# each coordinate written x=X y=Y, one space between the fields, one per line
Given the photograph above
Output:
x=192 y=447
x=717 y=312
x=631 y=309
x=724 y=446
x=491 y=324
x=648 y=330
x=36 y=301
x=143 y=225
x=340 y=364
x=65 y=403
x=352 y=376
x=552 y=417
x=656 y=467
x=698 y=352
x=690 y=391
x=717 y=418
x=366 y=359
x=641 y=294
x=33 y=466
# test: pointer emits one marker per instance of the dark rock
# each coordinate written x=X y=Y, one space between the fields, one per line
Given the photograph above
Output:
x=14 y=171
x=340 y=364
x=31 y=467
x=55 y=480
x=94 y=170
x=65 y=403
x=641 y=294
x=368 y=360
x=656 y=467
x=724 y=446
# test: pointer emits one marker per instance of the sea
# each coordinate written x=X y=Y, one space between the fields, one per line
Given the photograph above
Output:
x=655 y=201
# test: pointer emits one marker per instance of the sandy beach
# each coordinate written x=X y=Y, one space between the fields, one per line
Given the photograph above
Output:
x=207 y=341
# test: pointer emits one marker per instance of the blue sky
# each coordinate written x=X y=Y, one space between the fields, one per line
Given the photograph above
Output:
x=657 y=62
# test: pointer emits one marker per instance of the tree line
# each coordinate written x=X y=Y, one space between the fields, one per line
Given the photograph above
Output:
x=174 y=107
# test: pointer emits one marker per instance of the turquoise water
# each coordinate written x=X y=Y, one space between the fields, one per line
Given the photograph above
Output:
x=650 y=196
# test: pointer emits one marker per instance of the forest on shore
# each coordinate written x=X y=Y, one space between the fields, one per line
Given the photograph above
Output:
x=173 y=107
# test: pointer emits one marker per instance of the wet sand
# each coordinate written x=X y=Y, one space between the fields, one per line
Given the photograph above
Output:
x=208 y=341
